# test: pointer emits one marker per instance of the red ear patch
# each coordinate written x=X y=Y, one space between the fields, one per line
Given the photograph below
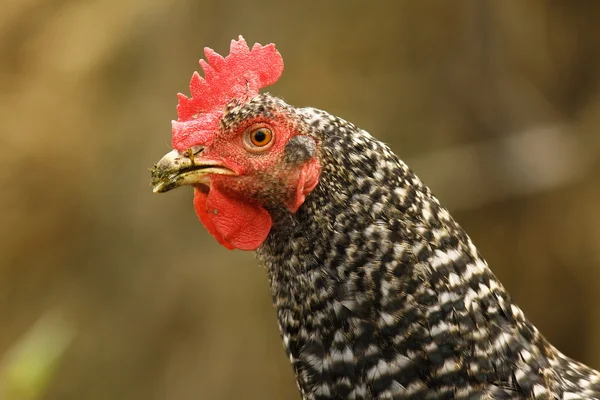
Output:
x=234 y=223
x=307 y=181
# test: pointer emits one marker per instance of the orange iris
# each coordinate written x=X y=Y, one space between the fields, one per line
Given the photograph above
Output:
x=261 y=137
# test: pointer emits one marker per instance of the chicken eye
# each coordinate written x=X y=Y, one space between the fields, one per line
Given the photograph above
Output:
x=259 y=138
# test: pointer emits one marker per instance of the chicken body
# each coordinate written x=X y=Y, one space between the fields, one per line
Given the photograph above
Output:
x=381 y=295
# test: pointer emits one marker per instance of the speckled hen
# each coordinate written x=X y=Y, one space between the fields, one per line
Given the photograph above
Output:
x=379 y=293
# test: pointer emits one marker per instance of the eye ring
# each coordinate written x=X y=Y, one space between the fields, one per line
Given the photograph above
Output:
x=258 y=138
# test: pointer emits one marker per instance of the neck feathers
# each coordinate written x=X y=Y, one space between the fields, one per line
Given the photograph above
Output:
x=373 y=278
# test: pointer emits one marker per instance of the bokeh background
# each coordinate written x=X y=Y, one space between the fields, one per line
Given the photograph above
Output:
x=110 y=292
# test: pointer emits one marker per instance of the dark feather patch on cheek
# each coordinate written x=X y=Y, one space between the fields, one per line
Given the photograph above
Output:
x=299 y=149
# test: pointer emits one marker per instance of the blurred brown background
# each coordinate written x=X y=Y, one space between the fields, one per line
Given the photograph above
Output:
x=110 y=292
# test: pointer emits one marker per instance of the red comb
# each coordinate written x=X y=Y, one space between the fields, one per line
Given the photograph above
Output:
x=240 y=76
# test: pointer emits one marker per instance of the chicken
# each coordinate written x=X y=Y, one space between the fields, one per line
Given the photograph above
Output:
x=379 y=293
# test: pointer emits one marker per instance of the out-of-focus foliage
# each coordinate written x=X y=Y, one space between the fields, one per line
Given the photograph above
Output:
x=494 y=103
x=27 y=368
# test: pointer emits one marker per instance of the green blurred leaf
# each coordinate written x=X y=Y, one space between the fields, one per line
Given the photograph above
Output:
x=28 y=366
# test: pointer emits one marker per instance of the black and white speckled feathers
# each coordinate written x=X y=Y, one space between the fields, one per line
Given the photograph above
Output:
x=381 y=295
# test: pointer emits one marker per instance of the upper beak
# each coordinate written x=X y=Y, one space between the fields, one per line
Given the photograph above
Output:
x=178 y=168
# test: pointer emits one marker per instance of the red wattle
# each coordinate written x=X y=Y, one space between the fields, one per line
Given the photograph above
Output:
x=233 y=223
x=204 y=216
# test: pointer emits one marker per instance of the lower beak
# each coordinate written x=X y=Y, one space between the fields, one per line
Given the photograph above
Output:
x=183 y=168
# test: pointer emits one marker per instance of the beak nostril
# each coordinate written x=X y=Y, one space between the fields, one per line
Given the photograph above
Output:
x=196 y=149
x=192 y=151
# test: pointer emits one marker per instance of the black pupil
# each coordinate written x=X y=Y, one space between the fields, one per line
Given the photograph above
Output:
x=260 y=136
